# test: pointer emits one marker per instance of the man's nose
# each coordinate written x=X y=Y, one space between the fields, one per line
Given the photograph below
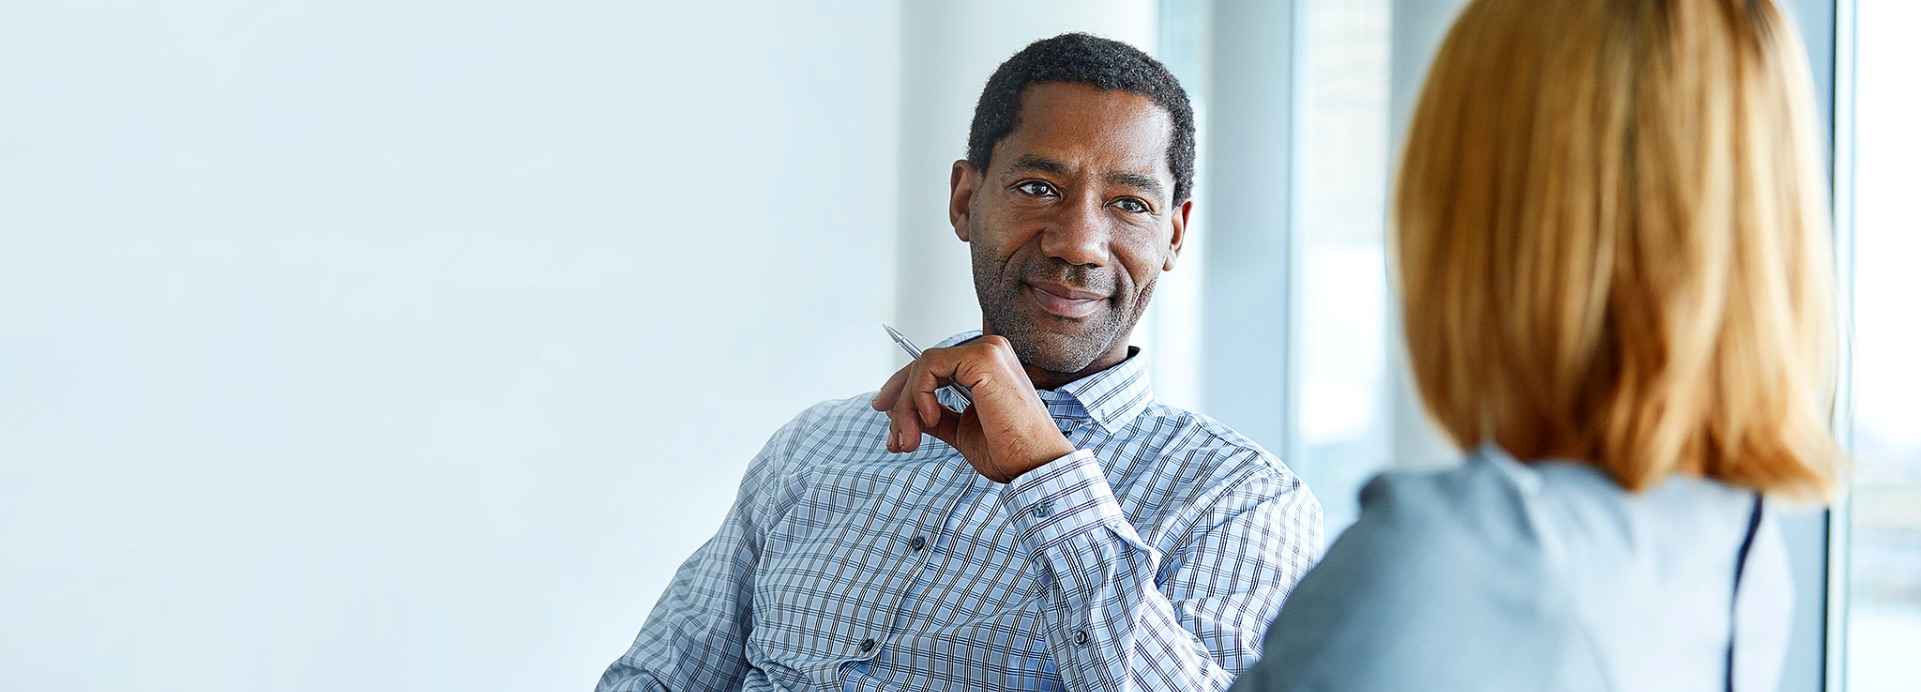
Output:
x=1079 y=234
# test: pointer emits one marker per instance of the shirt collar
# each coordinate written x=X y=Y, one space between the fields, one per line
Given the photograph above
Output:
x=1111 y=398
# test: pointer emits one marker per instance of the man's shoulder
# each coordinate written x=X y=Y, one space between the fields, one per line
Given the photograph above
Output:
x=1207 y=464
x=855 y=411
x=834 y=431
x=1213 y=440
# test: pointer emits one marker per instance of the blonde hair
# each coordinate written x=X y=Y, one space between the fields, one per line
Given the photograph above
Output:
x=1612 y=243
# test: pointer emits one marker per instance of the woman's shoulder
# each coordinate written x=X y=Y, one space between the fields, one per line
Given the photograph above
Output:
x=1444 y=574
x=1498 y=575
x=1470 y=533
x=1494 y=503
x=1489 y=505
x=1567 y=519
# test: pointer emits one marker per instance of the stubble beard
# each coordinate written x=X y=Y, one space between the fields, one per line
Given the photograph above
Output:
x=1058 y=350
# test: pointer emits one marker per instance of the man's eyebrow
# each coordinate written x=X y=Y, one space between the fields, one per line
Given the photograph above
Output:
x=1031 y=162
x=1144 y=183
x=1139 y=181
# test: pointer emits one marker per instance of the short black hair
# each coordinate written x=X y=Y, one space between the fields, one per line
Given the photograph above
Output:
x=1083 y=59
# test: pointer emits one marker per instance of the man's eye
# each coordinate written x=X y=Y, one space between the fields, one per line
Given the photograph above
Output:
x=1132 y=205
x=1035 y=188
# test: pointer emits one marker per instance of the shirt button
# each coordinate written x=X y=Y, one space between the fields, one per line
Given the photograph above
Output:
x=867 y=644
x=1043 y=509
x=917 y=543
x=1080 y=637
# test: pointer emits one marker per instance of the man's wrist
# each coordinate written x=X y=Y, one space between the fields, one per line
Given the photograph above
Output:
x=1066 y=497
x=1048 y=455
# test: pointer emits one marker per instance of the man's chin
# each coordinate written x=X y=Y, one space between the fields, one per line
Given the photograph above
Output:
x=1057 y=353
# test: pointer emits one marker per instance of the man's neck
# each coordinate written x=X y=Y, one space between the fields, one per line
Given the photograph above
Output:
x=1046 y=380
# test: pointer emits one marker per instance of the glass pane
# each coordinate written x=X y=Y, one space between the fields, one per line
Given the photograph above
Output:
x=1884 y=611
x=1170 y=333
x=1343 y=150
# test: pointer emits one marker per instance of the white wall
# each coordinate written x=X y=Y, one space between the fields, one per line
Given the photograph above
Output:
x=380 y=346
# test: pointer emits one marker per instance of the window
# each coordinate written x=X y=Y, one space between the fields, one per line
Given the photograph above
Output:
x=1882 y=569
x=1345 y=417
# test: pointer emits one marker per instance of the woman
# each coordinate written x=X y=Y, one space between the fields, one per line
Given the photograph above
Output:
x=1616 y=288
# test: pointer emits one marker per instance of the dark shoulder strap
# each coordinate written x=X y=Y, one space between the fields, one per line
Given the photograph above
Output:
x=1740 y=565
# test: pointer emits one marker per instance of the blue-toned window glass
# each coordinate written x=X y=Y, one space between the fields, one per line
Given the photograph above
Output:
x=1342 y=141
x=1883 y=570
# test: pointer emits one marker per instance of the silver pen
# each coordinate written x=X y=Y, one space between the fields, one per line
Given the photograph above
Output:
x=914 y=352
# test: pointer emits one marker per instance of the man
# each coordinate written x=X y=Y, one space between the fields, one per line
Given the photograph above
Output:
x=1064 y=530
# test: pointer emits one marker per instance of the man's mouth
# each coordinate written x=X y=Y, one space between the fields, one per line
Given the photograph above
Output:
x=1065 y=301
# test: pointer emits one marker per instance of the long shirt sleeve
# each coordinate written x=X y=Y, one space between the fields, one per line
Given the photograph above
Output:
x=1122 y=616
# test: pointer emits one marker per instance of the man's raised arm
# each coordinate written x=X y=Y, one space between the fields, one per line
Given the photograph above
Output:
x=1111 y=624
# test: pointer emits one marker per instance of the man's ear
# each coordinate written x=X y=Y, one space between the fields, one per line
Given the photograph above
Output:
x=1180 y=233
x=960 y=196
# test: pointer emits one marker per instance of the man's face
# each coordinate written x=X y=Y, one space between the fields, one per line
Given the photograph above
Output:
x=1072 y=224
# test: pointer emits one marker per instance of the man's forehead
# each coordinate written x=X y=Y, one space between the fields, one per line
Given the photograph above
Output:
x=1079 y=128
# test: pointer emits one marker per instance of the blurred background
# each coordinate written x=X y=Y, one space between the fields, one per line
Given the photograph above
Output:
x=412 y=345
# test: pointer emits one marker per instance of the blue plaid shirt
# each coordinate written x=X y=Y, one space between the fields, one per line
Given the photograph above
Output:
x=1152 y=558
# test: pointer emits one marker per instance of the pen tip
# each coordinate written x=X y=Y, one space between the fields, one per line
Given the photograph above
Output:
x=891 y=331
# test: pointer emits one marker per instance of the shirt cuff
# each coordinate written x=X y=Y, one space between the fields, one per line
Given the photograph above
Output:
x=1062 y=498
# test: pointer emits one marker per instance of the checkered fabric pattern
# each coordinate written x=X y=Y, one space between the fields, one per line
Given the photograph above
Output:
x=1150 y=559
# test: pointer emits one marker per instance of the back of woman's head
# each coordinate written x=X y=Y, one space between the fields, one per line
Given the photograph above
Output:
x=1612 y=245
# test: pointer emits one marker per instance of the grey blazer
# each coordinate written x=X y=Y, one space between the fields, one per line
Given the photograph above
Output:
x=1502 y=576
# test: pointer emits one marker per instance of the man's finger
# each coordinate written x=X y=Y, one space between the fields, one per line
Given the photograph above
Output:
x=891 y=390
x=962 y=432
x=943 y=367
x=903 y=431
x=927 y=404
x=947 y=428
x=904 y=409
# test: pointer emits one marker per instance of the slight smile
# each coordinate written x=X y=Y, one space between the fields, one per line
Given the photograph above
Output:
x=1063 y=301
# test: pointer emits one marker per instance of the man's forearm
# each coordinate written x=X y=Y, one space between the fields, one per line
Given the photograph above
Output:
x=1108 y=626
